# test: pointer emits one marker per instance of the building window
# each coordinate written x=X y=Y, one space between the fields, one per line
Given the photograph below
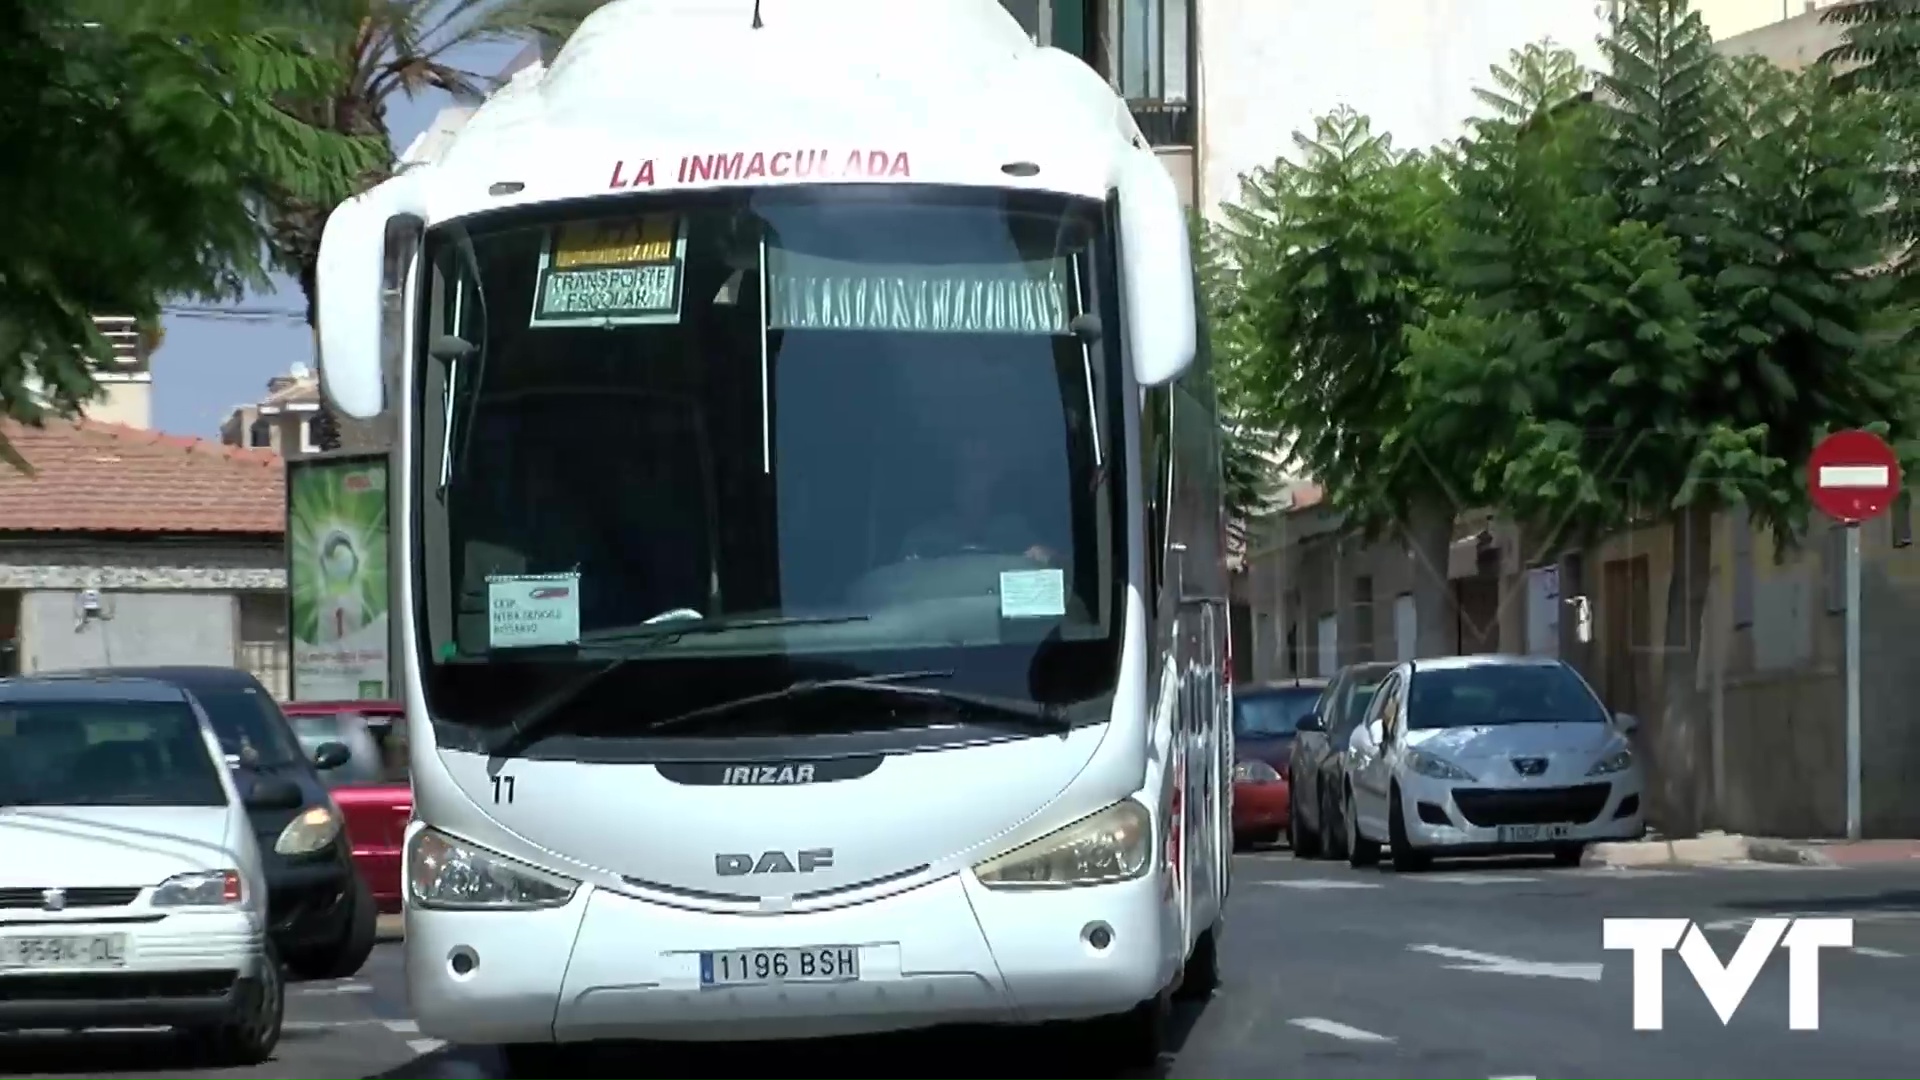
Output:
x=309 y=437
x=260 y=433
x=1059 y=24
x=1150 y=50
x=9 y=633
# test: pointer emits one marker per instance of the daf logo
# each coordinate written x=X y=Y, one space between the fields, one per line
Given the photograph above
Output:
x=728 y=864
x=53 y=899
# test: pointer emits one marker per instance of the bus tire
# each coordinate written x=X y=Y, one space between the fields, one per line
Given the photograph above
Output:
x=1201 y=977
x=538 y=1061
x=1132 y=1040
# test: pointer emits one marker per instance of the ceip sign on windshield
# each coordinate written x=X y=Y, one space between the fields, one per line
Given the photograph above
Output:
x=788 y=165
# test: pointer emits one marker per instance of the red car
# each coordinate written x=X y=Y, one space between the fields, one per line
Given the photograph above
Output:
x=1264 y=716
x=372 y=787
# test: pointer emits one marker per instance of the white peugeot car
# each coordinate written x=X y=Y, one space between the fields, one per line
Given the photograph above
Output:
x=131 y=889
x=1488 y=755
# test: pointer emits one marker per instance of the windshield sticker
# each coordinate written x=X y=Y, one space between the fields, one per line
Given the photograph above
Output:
x=613 y=272
x=1033 y=594
x=526 y=610
x=774 y=165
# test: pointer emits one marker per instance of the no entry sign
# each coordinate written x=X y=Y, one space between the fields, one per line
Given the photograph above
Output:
x=1853 y=476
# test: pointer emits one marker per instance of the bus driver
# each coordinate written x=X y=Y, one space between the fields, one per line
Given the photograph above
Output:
x=974 y=525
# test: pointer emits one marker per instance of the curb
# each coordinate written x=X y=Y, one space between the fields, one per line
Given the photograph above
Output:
x=390 y=927
x=1711 y=850
x=1786 y=853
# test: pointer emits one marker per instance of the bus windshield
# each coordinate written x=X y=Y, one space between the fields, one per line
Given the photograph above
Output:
x=729 y=440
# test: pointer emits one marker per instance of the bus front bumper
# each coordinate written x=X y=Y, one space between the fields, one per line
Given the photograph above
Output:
x=613 y=966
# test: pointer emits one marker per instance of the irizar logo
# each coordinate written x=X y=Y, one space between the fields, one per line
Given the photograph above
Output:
x=767 y=774
x=805 y=861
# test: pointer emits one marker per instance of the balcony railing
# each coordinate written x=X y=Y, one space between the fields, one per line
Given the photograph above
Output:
x=1164 y=123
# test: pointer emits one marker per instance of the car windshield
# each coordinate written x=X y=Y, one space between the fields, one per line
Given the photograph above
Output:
x=248 y=724
x=1359 y=695
x=1484 y=694
x=1271 y=714
x=105 y=753
x=377 y=743
x=741 y=438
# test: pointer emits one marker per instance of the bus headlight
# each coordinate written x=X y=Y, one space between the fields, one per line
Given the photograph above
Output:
x=312 y=831
x=443 y=872
x=1115 y=844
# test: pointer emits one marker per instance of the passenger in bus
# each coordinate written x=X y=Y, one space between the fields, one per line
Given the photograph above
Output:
x=975 y=524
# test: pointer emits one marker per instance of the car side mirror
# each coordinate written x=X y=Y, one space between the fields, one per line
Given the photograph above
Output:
x=1377 y=732
x=331 y=755
x=1310 y=722
x=273 y=793
x=1626 y=722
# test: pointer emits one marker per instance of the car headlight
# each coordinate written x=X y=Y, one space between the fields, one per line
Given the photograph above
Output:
x=1437 y=767
x=443 y=872
x=1115 y=844
x=205 y=888
x=1618 y=761
x=1254 y=772
x=312 y=831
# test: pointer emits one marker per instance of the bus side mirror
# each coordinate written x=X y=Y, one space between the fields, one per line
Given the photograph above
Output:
x=352 y=280
x=1156 y=271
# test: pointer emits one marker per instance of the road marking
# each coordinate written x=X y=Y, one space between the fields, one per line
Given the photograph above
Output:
x=333 y=988
x=1511 y=1078
x=425 y=1046
x=1338 y=1030
x=403 y=1027
x=1322 y=883
x=1740 y=922
x=1493 y=964
x=1625 y=872
x=1878 y=954
x=1475 y=879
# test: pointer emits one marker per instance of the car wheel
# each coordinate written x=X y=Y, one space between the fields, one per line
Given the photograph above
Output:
x=344 y=958
x=249 y=1036
x=1201 y=977
x=1333 y=829
x=1360 y=850
x=1568 y=854
x=1304 y=842
x=1406 y=857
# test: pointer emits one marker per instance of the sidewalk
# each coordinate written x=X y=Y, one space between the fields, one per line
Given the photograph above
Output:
x=390 y=928
x=1719 y=849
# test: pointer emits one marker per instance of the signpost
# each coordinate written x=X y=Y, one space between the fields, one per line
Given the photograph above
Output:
x=1853 y=476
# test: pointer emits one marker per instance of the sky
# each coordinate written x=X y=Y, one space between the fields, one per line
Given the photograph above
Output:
x=214 y=360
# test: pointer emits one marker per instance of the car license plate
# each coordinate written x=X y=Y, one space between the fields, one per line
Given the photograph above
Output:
x=750 y=967
x=64 y=951
x=1533 y=834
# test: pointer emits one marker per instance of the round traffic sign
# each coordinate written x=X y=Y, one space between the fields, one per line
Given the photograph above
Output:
x=1853 y=476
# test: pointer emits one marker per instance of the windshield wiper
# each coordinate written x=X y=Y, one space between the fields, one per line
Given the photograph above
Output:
x=524 y=728
x=1051 y=717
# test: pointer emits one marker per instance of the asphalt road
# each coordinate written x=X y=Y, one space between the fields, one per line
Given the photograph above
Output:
x=1481 y=970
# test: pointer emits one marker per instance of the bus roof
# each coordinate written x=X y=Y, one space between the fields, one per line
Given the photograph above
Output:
x=659 y=94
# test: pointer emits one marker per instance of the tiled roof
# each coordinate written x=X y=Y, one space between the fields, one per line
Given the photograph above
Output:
x=96 y=477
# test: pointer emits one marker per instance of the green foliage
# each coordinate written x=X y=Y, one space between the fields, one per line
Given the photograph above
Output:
x=1667 y=299
x=1338 y=259
x=1879 y=44
x=144 y=137
x=1246 y=446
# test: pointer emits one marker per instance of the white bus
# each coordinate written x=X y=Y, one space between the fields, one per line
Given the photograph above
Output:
x=810 y=538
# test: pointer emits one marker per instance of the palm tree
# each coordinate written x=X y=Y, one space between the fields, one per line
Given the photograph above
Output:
x=383 y=48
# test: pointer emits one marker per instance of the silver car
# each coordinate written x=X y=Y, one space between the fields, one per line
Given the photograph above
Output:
x=1488 y=755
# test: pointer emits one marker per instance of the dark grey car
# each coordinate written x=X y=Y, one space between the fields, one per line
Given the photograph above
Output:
x=1314 y=769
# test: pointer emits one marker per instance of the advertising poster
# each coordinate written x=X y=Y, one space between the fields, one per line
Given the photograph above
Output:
x=337 y=578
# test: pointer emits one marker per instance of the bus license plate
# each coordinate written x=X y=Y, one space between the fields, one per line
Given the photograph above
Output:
x=752 y=967
x=1533 y=834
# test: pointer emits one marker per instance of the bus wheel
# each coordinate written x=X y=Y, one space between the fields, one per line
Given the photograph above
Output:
x=539 y=1060
x=1201 y=977
x=1128 y=1041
